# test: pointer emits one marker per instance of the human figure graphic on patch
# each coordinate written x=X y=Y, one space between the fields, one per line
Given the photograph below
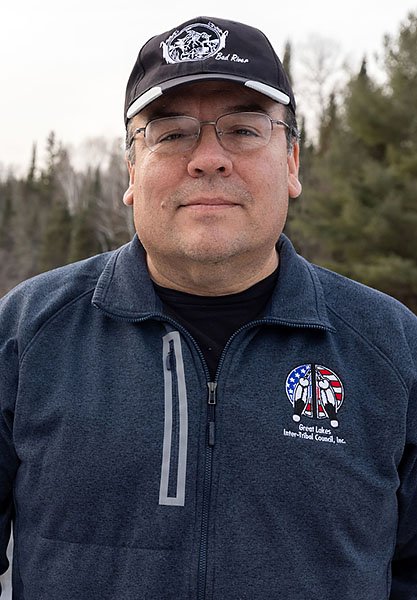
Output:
x=327 y=399
x=301 y=398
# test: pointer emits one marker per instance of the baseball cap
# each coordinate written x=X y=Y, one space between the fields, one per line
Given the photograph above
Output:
x=206 y=48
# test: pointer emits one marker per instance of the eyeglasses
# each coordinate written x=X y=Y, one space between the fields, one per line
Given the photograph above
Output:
x=237 y=132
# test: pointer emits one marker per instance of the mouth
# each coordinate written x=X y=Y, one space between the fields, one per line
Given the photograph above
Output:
x=209 y=204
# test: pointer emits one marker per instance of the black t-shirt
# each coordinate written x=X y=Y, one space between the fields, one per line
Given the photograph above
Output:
x=212 y=320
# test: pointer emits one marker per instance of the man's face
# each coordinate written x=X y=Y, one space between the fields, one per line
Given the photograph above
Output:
x=208 y=205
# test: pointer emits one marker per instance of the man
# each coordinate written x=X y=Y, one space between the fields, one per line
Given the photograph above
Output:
x=202 y=414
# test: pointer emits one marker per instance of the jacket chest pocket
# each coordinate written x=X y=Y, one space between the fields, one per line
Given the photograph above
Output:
x=116 y=462
x=174 y=453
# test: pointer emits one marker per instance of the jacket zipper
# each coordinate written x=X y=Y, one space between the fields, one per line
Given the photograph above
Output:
x=172 y=367
x=212 y=401
x=210 y=434
x=208 y=470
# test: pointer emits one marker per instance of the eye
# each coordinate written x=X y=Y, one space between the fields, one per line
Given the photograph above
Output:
x=171 y=136
x=246 y=131
x=241 y=129
x=171 y=130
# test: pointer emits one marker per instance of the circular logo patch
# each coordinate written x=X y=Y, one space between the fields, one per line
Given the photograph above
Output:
x=198 y=41
x=315 y=392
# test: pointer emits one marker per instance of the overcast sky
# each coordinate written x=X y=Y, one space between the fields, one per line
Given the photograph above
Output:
x=64 y=64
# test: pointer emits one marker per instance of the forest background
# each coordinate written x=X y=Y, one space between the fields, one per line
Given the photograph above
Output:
x=357 y=214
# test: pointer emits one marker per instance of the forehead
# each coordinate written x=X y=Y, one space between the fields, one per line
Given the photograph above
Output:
x=218 y=95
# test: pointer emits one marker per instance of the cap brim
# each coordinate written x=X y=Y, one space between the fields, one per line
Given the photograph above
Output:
x=150 y=95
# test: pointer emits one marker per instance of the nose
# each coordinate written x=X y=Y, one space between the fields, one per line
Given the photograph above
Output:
x=209 y=157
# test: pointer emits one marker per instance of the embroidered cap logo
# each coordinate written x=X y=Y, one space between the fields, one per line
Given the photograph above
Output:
x=198 y=41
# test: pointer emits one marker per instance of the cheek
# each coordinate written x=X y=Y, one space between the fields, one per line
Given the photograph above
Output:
x=268 y=180
x=272 y=192
x=155 y=178
x=152 y=185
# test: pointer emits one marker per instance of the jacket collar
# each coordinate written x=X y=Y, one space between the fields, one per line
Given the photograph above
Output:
x=298 y=299
x=124 y=289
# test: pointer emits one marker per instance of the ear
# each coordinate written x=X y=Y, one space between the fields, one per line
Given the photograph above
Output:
x=128 y=195
x=293 y=163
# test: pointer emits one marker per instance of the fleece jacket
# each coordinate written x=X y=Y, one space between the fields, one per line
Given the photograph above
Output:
x=128 y=474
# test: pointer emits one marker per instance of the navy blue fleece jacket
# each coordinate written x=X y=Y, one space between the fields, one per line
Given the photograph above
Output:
x=128 y=474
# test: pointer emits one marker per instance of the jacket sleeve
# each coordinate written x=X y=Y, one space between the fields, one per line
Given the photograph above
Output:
x=8 y=457
x=404 y=564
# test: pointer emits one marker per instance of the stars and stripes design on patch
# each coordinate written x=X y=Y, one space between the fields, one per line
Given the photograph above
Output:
x=327 y=399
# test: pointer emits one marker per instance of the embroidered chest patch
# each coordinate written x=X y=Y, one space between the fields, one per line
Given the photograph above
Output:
x=315 y=392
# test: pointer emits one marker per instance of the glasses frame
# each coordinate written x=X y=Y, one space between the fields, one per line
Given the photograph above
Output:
x=219 y=134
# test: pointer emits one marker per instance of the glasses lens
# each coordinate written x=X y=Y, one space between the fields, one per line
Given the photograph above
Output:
x=244 y=131
x=237 y=132
x=172 y=134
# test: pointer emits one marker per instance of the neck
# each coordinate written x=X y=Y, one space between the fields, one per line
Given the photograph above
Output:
x=211 y=279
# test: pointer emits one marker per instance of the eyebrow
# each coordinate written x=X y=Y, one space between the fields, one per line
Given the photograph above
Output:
x=163 y=112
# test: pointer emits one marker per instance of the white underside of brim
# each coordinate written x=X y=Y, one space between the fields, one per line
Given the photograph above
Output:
x=158 y=91
x=267 y=90
x=143 y=101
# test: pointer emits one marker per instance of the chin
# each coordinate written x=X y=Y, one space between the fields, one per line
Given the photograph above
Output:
x=213 y=253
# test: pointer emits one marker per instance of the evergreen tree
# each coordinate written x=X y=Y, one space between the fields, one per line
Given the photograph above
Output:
x=55 y=215
x=8 y=268
x=287 y=61
x=56 y=237
x=328 y=125
x=31 y=178
x=6 y=213
x=55 y=227
x=84 y=242
x=360 y=215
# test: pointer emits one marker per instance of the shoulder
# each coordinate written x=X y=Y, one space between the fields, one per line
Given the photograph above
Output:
x=352 y=298
x=31 y=303
x=375 y=316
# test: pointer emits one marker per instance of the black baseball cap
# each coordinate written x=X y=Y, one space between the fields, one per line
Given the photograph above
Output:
x=206 y=48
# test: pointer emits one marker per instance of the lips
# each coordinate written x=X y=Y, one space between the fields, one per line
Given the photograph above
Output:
x=209 y=202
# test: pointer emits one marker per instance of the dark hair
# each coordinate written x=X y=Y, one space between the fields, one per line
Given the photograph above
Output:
x=129 y=142
x=293 y=135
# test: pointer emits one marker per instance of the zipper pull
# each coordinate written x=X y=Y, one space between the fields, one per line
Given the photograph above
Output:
x=170 y=358
x=212 y=385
